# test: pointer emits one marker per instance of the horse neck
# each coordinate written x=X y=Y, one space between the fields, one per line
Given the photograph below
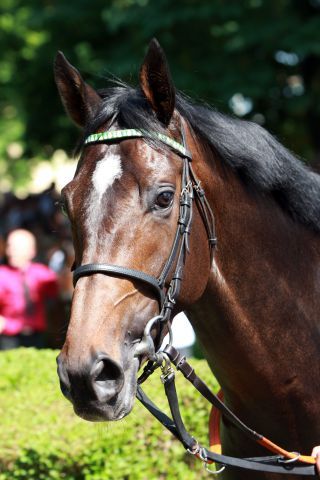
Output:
x=258 y=314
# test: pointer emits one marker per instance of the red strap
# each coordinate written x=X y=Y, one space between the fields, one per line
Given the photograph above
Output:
x=214 y=427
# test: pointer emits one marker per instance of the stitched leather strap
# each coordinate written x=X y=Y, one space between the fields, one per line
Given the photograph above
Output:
x=181 y=364
x=176 y=427
x=185 y=368
x=118 y=271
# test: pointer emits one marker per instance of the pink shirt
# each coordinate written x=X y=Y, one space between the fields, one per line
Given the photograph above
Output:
x=42 y=284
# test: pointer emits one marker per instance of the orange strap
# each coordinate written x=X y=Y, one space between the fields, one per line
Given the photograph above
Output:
x=214 y=427
x=276 y=449
x=215 y=442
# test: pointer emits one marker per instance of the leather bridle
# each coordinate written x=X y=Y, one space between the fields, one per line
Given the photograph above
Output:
x=167 y=291
x=167 y=294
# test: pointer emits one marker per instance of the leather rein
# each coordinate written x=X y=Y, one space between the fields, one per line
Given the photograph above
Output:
x=167 y=288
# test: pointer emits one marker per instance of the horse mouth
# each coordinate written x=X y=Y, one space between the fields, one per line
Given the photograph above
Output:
x=97 y=412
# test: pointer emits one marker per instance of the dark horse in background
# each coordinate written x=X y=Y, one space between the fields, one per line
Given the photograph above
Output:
x=255 y=307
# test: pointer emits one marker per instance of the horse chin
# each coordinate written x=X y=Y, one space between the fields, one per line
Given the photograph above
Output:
x=103 y=412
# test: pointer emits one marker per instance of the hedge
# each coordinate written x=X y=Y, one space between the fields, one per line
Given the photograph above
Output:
x=42 y=439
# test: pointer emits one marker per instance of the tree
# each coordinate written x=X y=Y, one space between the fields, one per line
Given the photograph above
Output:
x=257 y=58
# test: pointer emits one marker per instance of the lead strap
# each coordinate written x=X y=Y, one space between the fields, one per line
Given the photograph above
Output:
x=275 y=464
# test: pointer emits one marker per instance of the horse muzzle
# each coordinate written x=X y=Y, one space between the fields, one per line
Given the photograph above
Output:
x=99 y=390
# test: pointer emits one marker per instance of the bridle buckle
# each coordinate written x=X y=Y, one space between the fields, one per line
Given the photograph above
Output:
x=166 y=368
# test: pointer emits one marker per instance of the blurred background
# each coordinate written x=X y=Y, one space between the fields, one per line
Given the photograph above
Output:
x=255 y=59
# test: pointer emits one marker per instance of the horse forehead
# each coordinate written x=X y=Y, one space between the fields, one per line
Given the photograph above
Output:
x=100 y=171
x=138 y=155
x=108 y=169
x=116 y=160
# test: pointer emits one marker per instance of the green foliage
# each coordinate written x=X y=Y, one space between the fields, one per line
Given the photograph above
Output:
x=267 y=51
x=42 y=439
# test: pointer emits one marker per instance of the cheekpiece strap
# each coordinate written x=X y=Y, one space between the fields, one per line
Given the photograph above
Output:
x=133 y=133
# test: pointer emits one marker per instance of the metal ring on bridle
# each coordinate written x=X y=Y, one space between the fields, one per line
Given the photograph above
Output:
x=196 y=449
x=146 y=345
x=214 y=472
x=202 y=455
x=290 y=460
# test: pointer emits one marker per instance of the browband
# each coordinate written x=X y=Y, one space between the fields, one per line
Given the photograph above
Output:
x=132 y=133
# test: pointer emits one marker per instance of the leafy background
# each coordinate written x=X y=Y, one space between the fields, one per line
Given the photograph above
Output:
x=257 y=58
x=42 y=439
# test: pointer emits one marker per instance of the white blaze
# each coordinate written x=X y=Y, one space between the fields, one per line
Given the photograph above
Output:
x=106 y=172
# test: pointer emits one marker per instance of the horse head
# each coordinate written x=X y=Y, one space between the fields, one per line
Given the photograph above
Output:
x=124 y=204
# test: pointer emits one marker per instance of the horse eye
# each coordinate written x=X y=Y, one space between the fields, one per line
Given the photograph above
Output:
x=164 y=199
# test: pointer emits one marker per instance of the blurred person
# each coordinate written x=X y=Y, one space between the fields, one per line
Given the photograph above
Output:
x=24 y=288
x=60 y=260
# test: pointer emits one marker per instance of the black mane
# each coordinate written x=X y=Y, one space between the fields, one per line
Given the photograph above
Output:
x=260 y=160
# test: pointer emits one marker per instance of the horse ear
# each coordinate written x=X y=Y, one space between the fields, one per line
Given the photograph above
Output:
x=79 y=99
x=156 y=82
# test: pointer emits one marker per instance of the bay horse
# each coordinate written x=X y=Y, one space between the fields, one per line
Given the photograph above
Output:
x=254 y=303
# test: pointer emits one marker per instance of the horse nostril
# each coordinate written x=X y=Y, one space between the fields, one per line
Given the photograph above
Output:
x=107 y=378
x=106 y=370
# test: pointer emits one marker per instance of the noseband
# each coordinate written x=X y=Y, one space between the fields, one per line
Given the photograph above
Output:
x=190 y=188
